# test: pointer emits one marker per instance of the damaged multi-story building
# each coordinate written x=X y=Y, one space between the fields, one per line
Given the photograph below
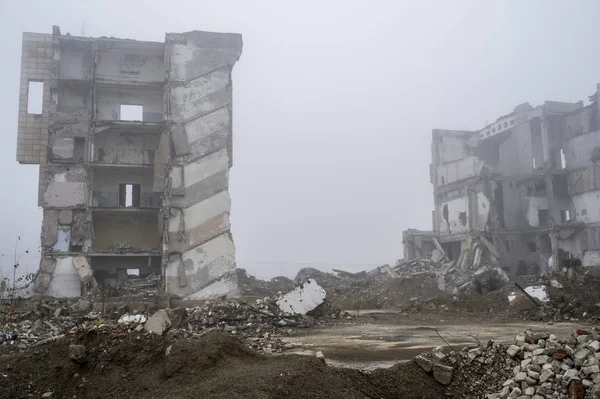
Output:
x=524 y=189
x=134 y=145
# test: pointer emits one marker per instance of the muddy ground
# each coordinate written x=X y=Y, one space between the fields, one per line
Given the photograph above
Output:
x=216 y=365
x=370 y=356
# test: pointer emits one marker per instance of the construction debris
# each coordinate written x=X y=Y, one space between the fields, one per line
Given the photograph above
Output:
x=302 y=299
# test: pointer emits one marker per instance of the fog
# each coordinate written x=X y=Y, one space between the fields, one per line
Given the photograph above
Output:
x=334 y=103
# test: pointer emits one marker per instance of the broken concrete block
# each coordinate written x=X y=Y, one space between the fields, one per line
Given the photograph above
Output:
x=513 y=350
x=47 y=265
x=83 y=269
x=158 y=323
x=42 y=281
x=425 y=363
x=177 y=317
x=319 y=355
x=65 y=216
x=443 y=373
x=50 y=228
x=302 y=299
x=81 y=306
x=77 y=354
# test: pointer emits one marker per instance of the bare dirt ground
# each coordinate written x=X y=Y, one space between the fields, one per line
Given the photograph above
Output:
x=382 y=338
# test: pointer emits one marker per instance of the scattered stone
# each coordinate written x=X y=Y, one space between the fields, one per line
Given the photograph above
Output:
x=443 y=373
x=319 y=355
x=77 y=354
x=158 y=323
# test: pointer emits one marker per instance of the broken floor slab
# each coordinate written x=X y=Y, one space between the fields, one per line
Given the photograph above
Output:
x=303 y=298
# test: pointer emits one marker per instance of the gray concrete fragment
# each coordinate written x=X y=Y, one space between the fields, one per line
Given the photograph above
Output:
x=443 y=373
x=83 y=268
x=180 y=141
x=425 y=363
x=41 y=282
x=50 y=228
x=77 y=354
x=158 y=323
x=65 y=216
x=47 y=265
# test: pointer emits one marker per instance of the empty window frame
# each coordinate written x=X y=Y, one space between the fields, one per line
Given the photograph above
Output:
x=129 y=195
x=78 y=149
x=133 y=272
x=565 y=215
x=543 y=217
x=35 y=97
x=131 y=112
x=563 y=160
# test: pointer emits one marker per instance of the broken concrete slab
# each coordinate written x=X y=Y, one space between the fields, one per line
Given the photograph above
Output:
x=42 y=281
x=65 y=216
x=83 y=269
x=158 y=323
x=50 y=228
x=303 y=298
x=47 y=265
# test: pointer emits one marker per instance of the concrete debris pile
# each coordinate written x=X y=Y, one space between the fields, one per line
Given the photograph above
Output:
x=476 y=271
x=564 y=294
x=251 y=286
x=536 y=365
x=133 y=286
x=259 y=324
x=473 y=372
x=547 y=367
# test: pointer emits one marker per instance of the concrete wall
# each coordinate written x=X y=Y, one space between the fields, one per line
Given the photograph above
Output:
x=584 y=180
x=66 y=188
x=65 y=282
x=201 y=252
x=125 y=148
x=139 y=229
x=36 y=65
x=106 y=186
x=578 y=150
x=453 y=224
x=591 y=258
x=73 y=98
x=125 y=63
x=534 y=204
x=459 y=170
x=75 y=59
x=587 y=206
x=516 y=153
x=109 y=101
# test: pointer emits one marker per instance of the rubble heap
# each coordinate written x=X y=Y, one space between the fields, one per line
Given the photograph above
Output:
x=259 y=324
x=476 y=271
x=537 y=365
x=251 y=286
x=571 y=296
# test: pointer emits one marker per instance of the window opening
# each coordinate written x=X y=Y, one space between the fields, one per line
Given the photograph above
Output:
x=35 y=98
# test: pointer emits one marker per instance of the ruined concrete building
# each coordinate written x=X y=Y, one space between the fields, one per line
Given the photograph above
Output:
x=526 y=188
x=134 y=143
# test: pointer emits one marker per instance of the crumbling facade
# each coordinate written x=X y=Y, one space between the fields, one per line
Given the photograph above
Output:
x=134 y=143
x=524 y=190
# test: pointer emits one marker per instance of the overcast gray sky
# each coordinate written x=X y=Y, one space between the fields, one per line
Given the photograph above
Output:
x=334 y=103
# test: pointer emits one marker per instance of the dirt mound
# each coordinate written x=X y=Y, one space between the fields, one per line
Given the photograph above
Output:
x=215 y=365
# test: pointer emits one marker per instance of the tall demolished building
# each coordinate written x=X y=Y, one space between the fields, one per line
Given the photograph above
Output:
x=134 y=143
x=524 y=189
